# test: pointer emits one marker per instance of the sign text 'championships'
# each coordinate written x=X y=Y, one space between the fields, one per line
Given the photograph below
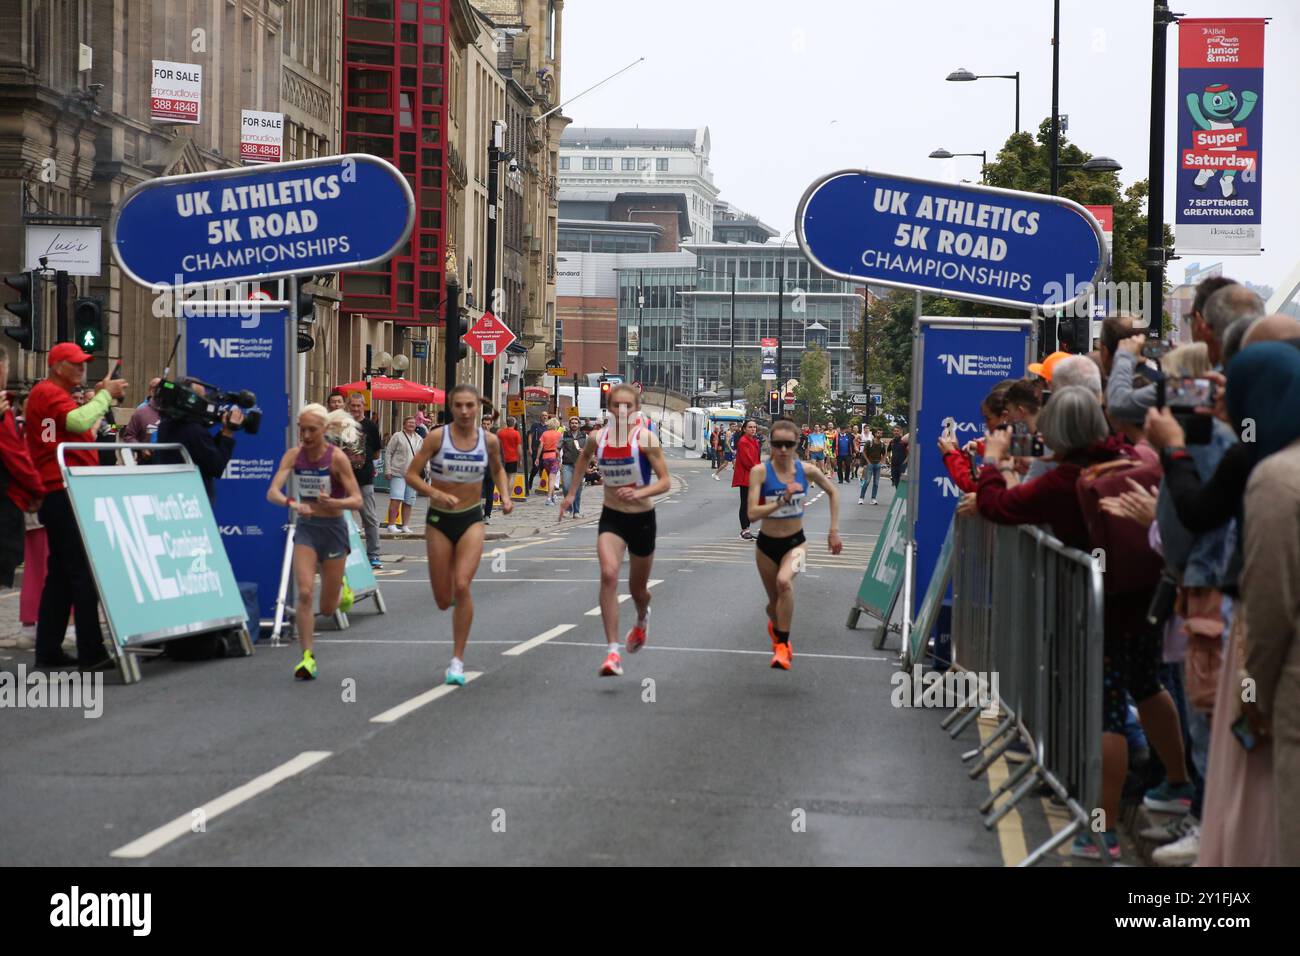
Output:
x=944 y=211
x=259 y=225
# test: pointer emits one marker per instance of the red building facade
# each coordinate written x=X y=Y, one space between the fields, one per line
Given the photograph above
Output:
x=395 y=106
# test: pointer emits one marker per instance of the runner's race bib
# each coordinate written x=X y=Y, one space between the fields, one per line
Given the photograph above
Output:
x=312 y=485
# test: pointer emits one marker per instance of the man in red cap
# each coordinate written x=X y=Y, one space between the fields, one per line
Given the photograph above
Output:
x=54 y=417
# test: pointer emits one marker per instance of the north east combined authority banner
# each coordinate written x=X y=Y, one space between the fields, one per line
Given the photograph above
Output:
x=1220 y=136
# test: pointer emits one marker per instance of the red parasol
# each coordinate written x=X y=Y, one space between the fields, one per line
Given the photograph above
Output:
x=396 y=390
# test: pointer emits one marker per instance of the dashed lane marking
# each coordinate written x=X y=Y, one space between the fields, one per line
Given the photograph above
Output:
x=722 y=650
x=595 y=611
x=418 y=701
x=156 y=839
x=542 y=638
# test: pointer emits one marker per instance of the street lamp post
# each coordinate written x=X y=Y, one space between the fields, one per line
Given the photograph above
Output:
x=963 y=75
x=780 y=317
x=1056 y=95
x=942 y=153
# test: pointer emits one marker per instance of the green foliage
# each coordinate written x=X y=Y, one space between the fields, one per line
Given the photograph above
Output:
x=811 y=389
x=748 y=378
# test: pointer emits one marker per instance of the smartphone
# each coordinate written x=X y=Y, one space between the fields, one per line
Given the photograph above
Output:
x=950 y=429
x=1187 y=393
x=1155 y=350
x=1245 y=734
x=1025 y=444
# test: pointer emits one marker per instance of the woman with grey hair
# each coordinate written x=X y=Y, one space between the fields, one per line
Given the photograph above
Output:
x=1074 y=428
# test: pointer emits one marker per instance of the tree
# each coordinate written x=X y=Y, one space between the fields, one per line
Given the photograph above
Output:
x=811 y=389
x=748 y=378
x=840 y=410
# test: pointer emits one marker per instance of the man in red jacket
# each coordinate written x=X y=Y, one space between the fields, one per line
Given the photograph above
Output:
x=747 y=456
x=53 y=418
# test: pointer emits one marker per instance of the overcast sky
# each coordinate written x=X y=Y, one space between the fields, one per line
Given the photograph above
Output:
x=790 y=91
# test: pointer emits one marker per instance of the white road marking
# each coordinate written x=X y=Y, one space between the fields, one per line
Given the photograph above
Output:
x=415 y=703
x=183 y=824
x=724 y=650
x=502 y=578
x=595 y=611
x=542 y=638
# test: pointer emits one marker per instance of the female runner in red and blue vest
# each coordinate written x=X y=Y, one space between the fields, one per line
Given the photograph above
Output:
x=633 y=470
x=777 y=493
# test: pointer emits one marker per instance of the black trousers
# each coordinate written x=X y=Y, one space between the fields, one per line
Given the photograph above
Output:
x=842 y=466
x=744 y=508
x=511 y=467
x=68 y=584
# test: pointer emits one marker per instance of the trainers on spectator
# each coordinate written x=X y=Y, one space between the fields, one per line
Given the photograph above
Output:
x=1175 y=829
x=1170 y=798
x=1182 y=852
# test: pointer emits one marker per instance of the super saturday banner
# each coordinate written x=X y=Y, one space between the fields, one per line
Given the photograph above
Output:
x=1220 y=136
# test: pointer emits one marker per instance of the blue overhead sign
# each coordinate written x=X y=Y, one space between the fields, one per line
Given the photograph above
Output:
x=311 y=216
x=997 y=246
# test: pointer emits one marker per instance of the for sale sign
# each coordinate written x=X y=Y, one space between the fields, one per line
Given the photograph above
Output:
x=176 y=92
x=261 y=138
x=1220 y=131
x=489 y=337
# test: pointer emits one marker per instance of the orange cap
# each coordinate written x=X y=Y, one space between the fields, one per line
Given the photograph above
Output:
x=1044 y=368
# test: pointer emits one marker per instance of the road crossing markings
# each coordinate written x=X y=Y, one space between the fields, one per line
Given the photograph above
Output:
x=165 y=834
x=542 y=638
x=418 y=701
x=595 y=611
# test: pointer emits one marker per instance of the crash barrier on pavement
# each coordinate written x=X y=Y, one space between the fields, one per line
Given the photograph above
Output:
x=1027 y=620
x=886 y=572
x=358 y=575
x=155 y=551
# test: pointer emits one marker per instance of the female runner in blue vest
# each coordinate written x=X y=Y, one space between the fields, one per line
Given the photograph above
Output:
x=458 y=456
x=777 y=493
x=633 y=470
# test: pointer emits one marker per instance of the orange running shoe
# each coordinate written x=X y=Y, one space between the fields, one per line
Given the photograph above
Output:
x=635 y=638
x=613 y=666
x=782 y=656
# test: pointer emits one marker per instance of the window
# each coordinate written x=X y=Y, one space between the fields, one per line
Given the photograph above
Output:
x=643 y=164
x=589 y=162
x=564 y=162
x=661 y=165
x=628 y=164
x=606 y=162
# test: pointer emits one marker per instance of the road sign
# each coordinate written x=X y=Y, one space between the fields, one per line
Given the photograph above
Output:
x=860 y=398
x=558 y=372
x=489 y=337
x=419 y=348
x=281 y=219
x=997 y=246
x=874 y=389
x=515 y=406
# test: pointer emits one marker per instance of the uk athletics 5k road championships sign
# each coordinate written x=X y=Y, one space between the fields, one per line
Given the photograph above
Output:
x=310 y=216
x=998 y=246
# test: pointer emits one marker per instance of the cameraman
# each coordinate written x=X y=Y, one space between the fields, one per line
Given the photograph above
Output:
x=210 y=452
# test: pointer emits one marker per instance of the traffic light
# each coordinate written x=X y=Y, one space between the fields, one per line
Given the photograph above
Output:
x=1067 y=334
x=304 y=310
x=28 y=309
x=88 y=323
x=774 y=402
x=605 y=386
x=456 y=347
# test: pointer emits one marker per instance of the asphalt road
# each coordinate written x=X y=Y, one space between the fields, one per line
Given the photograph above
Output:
x=700 y=754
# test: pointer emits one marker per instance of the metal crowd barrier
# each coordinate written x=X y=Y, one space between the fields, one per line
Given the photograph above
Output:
x=1029 y=609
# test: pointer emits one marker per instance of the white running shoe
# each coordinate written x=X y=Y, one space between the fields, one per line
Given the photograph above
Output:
x=1182 y=852
x=715 y=477
x=874 y=501
x=393 y=529
x=1170 y=832
x=859 y=501
x=405 y=529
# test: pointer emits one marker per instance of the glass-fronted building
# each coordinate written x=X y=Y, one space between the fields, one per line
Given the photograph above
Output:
x=652 y=302
x=810 y=297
